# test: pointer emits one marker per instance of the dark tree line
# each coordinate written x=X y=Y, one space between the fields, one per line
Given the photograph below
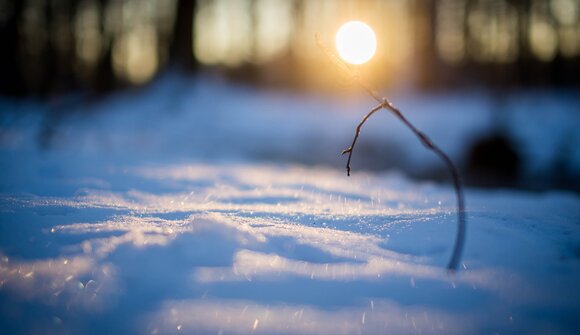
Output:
x=40 y=45
x=39 y=50
x=527 y=69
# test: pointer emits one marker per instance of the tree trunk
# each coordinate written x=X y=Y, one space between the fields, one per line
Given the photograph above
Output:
x=181 y=52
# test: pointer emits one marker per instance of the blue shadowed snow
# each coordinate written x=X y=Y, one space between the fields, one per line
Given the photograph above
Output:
x=157 y=214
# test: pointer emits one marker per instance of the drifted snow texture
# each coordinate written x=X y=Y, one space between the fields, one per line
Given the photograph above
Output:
x=153 y=213
x=254 y=248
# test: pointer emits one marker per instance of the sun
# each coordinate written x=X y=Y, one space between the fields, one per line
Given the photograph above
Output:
x=356 y=42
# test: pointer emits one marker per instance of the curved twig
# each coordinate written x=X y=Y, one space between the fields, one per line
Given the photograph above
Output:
x=424 y=139
x=356 y=134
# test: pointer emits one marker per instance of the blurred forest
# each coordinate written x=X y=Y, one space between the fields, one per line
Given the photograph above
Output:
x=58 y=46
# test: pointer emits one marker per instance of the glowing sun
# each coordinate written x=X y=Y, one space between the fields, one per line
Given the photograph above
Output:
x=356 y=42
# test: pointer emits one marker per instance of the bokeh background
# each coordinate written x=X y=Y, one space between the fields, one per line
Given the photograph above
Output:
x=518 y=60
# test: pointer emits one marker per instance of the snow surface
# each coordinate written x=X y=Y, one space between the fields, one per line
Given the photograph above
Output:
x=149 y=217
x=181 y=118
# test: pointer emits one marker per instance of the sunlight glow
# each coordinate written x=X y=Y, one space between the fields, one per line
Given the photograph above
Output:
x=356 y=42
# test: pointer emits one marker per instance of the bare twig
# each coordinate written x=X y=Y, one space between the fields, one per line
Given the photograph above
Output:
x=356 y=134
x=384 y=103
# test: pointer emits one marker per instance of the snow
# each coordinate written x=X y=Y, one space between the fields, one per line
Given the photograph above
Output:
x=147 y=216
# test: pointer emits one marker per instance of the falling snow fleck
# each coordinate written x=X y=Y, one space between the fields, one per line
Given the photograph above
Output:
x=255 y=324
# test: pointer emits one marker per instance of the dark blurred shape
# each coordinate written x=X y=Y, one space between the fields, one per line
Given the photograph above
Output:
x=493 y=161
x=182 y=44
x=10 y=78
